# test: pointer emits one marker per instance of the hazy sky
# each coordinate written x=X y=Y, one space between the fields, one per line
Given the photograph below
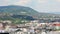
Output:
x=39 y=5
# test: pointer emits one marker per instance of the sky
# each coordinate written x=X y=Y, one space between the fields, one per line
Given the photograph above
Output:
x=47 y=6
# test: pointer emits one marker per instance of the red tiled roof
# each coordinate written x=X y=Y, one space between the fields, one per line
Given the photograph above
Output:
x=56 y=24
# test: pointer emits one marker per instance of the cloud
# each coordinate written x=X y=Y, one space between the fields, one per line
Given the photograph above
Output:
x=6 y=2
x=42 y=1
x=3 y=2
x=14 y=2
x=22 y=2
x=48 y=6
x=57 y=0
x=41 y=6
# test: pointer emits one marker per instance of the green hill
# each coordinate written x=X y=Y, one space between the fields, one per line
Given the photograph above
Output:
x=17 y=10
x=21 y=10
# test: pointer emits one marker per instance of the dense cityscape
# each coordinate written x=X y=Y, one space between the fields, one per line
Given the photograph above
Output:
x=33 y=27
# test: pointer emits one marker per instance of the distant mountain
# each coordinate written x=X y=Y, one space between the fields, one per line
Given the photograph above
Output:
x=55 y=12
x=21 y=10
